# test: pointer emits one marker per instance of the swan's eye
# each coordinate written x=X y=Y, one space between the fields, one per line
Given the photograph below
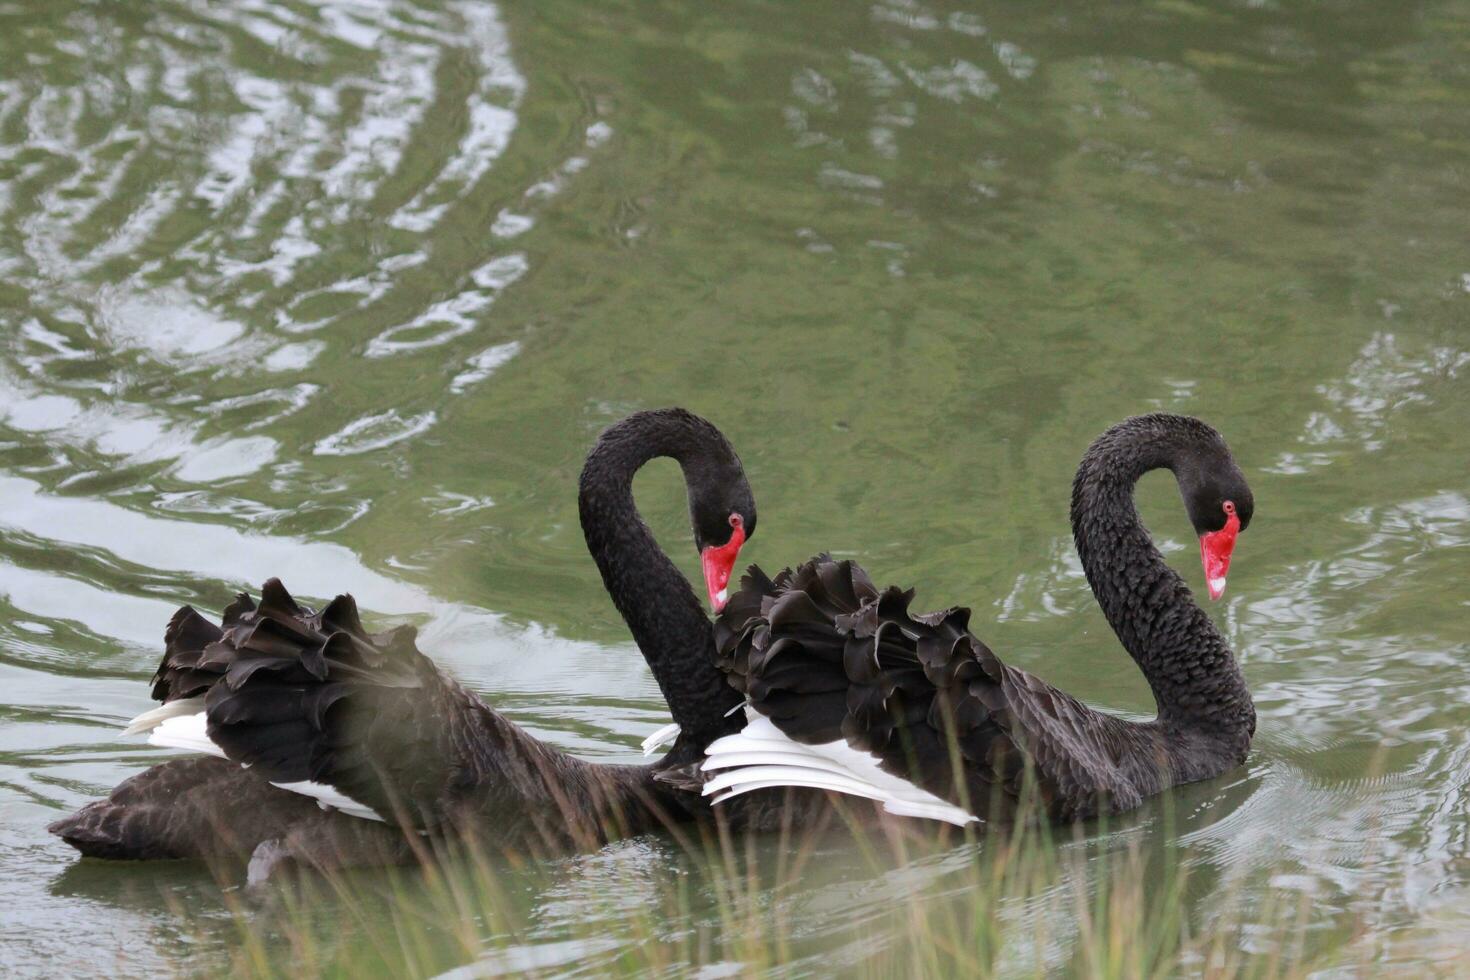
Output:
x=1229 y=506
x=736 y=520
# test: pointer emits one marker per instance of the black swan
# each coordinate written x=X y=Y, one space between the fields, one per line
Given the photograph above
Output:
x=848 y=691
x=303 y=713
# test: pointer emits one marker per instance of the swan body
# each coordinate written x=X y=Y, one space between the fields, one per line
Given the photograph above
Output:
x=319 y=742
x=301 y=719
x=849 y=691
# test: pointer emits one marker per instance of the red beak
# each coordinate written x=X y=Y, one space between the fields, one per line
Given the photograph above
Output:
x=1214 y=550
x=717 y=562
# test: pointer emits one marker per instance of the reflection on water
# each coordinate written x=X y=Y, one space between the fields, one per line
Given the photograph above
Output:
x=341 y=292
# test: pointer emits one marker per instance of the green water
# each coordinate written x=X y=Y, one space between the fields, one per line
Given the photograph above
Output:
x=343 y=292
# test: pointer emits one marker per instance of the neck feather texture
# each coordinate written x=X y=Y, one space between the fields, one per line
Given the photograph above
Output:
x=1196 y=682
x=663 y=613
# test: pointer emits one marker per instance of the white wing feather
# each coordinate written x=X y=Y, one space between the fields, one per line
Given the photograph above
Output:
x=150 y=720
x=663 y=736
x=184 y=732
x=760 y=756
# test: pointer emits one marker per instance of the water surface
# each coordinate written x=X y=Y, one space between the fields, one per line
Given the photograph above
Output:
x=343 y=292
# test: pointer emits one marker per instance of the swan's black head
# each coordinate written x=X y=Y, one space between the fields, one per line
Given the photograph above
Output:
x=1216 y=496
x=721 y=506
x=722 y=511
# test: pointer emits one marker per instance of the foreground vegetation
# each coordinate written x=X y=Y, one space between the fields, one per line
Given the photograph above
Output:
x=1028 y=901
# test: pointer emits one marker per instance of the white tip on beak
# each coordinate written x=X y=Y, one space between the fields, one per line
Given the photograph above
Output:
x=1217 y=587
x=721 y=597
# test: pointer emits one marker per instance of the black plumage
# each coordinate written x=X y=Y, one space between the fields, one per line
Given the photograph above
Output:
x=306 y=695
x=296 y=694
x=824 y=654
x=821 y=651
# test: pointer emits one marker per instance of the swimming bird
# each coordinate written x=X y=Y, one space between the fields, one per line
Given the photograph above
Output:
x=320 y=741
x=849 y=691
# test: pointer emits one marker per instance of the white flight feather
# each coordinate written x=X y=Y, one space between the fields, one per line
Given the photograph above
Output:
x=329 y=798
x=760 y=756
x=185 y=732
x=173 y=730
x=663 y=736
x=150 y=720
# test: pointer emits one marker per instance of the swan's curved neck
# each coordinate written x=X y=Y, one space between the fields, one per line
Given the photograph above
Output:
x=663 y=613
x=1196 y=682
